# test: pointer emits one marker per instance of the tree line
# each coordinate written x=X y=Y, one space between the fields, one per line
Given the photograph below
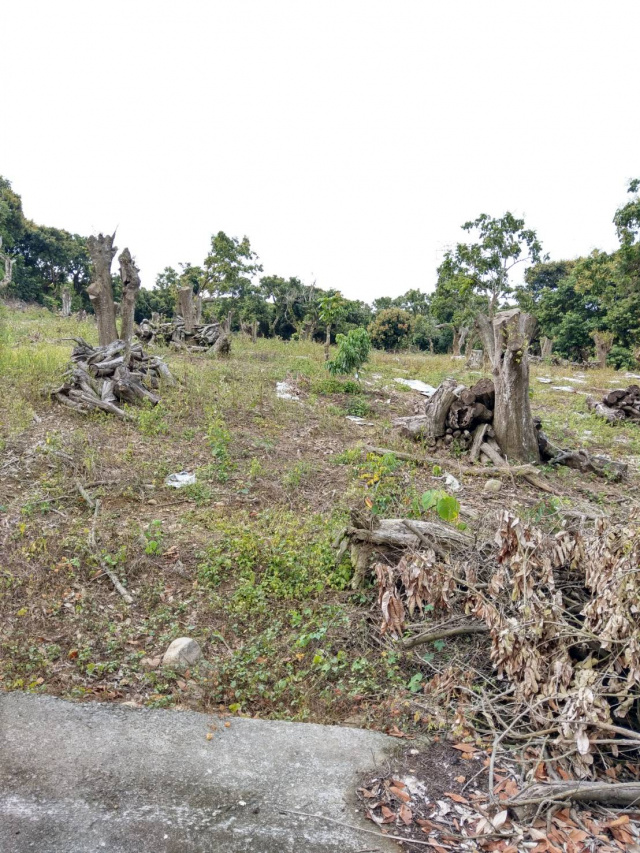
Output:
x=584 y=307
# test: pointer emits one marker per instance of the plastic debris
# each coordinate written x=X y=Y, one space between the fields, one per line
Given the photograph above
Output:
x=357 y=420
x=285 y=391
x=451 y=483
x=177 y=481
x=418 y=385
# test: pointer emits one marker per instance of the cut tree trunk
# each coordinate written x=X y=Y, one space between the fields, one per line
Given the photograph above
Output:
x=100 y=291
x=432 y=424
x=66 y=302
x=459 y=337
x=546 y=347
x=604 y=411
x=475 y=359
x=507 y=336
x=603 y=342
x=130 y=275
x=186 y=309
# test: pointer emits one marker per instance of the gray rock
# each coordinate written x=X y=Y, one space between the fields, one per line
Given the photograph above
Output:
x=492 y=487
x=182 y=652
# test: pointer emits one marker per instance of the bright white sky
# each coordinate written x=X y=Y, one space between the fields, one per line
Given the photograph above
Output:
x=349 y=139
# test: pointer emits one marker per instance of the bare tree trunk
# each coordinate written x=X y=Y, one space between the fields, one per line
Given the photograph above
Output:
x=464 y=333
x=185 y=306
x=507 y=337
x=130 y=275
x=456 y=342
x=227 y=323
x=100 y=291
x=198 y=309
x=327 y=342
x=603 y=342
x=66 y=302
x=546 y=347
x=254 y=331
x=475 y=359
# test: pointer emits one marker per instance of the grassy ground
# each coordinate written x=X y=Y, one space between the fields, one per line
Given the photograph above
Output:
x=242 y=561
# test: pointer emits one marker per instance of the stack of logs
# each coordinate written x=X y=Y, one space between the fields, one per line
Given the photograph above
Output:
x=201 y=337
x=100 y=377
x=453 y=414
x=618 y=405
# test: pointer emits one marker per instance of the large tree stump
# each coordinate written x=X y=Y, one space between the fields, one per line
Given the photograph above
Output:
x=130 y=275
x=186 y=308
x=66 y=301
x=507 y=338
x=100 y=291
x=546 y=347
x=603 y=342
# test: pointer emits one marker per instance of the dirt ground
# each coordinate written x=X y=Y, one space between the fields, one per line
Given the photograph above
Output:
x=243 y=560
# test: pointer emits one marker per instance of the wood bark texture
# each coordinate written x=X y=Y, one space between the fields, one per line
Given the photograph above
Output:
x=100 y=291
x=130 y=275
x=186 y=309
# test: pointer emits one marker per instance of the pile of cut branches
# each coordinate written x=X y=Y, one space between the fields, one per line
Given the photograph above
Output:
x=101 y=377
x=199 y=337
x=619 y=405
x=562 y=615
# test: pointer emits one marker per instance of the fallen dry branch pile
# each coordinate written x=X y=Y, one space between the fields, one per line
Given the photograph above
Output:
x=561 y=615
x=438 y=800
x=100 y=377
x=205 y=337
x=460 y=415
x=622 y=404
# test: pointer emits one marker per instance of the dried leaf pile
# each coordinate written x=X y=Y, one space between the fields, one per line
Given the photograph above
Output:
x=101 y=377
x=563 y=618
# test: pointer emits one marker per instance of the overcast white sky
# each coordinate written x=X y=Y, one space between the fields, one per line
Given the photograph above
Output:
x=349 y=140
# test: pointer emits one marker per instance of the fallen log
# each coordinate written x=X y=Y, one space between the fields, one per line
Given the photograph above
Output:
x=610 y=794
x=587 y=464
x=446 y=633
x=393 y=532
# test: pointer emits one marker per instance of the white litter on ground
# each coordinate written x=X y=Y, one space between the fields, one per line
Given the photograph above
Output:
x=451 y=483
x=545 y=380
x=575 y=379
x=177 y=481
x=357 y=420
x=418 y=385
x=285 y=391
x=568 y=388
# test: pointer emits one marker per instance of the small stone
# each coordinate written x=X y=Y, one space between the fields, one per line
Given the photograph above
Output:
x=492 y=487
x=152 y=501
x=150 y=663
x=182 y=652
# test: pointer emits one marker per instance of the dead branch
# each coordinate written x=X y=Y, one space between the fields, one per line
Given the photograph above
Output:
x=608 y=794
x=93 y=545
x=445 y=633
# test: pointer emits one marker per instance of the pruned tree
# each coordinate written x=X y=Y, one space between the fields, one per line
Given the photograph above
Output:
x=506 y=339
x=130 y=276
x=100 y=291
x=546 y=347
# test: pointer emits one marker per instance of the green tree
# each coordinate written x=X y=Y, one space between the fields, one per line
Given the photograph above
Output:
x=500 y=245
x=391 y=329
x=332 y=308
x=353 y=352
x=230 y=268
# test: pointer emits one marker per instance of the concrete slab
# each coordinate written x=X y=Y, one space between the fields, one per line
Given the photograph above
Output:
x=83 y=778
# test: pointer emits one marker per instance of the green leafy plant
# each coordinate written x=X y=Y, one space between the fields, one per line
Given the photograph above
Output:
x=444 y=504
x=353 y=352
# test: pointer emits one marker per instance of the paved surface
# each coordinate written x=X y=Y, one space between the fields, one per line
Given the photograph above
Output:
x=90 y=777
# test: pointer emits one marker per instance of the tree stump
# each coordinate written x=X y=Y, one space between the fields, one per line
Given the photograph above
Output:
x=507 y=337
x=546 y=347
x=100 y=291
x=130 y=275
x=475 y=359
x=66 y=302
x=186 y=308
